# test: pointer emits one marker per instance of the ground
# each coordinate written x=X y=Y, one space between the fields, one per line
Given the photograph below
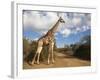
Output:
x=61 y=60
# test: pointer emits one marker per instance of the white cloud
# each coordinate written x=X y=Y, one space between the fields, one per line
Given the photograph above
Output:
x=65 y=32
x=84 y=28
x=43 y=21
x=78 y=14
x=35 y=39
x=76 y=21
x=43 y=32
x=78 y=29
x=38 y=22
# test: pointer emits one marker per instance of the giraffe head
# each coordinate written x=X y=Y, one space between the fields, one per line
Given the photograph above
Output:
x=61 y=20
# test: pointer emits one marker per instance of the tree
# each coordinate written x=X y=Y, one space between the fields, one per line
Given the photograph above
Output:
x=33 y=47
x=26 y=48
x=85 y=40
x=84 y=49
x=66 y=46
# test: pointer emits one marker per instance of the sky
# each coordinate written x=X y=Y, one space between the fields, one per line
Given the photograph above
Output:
x=37 y=23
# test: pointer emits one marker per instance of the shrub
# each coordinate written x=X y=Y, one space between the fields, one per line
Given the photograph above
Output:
x=83 y=52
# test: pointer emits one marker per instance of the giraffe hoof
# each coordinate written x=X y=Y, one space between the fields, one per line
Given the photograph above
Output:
x=48 y=63
x=53 y=62
x=38 y=63
x=31 y=63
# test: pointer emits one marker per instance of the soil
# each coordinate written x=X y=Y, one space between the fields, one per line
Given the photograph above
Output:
x=61 y=60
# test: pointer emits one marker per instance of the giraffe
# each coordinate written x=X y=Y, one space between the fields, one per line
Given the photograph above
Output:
x=47 y=39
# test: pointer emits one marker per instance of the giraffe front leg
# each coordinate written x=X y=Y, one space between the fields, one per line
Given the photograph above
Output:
x=49 y=58
x=52 y=53
x=53 y=61
x=49 y=53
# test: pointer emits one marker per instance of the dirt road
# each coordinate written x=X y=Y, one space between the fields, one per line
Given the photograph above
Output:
x=61 y=60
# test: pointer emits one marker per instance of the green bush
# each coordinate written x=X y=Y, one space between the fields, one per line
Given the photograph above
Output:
x=83 y=52
x=26 y=48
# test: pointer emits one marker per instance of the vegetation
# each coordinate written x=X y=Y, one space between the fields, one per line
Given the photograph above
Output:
x=29 y=50
x=82 y=49
x=83 y=52
x=26 y=48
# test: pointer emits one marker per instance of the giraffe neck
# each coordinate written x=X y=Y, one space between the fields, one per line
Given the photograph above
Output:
x=50 y=33
x=54 y=28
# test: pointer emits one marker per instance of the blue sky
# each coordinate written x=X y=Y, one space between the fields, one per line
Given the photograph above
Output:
x=71 y=39
x=37 y=23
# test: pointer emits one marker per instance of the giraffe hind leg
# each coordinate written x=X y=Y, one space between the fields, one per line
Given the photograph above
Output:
x=39 y=49
x=33 y=61
x=38 y=56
